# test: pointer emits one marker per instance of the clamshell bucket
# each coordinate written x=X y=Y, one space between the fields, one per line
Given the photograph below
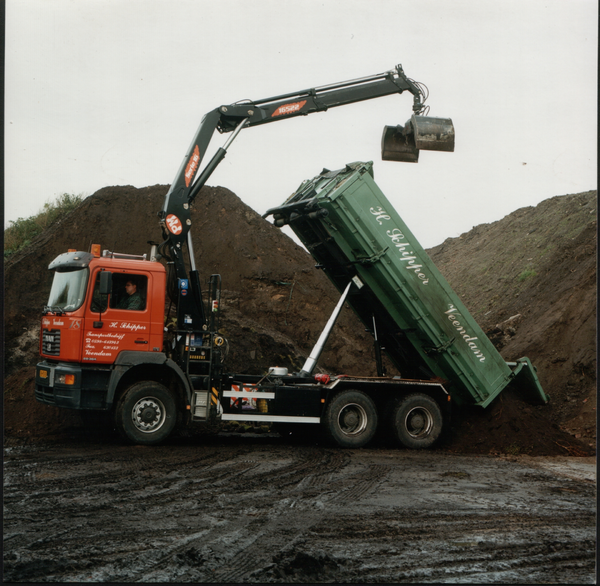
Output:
x=398 y=144
x=433 y=134
x=403 y=143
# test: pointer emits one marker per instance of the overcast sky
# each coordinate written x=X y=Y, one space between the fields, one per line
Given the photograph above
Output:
x=111 y=92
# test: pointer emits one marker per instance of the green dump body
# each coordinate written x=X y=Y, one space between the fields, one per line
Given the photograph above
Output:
x=354 y=233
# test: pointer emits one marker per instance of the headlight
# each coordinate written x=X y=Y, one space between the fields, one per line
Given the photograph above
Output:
x=65 y=379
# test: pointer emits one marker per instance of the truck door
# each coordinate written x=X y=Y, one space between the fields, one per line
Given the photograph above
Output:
x=119 y=321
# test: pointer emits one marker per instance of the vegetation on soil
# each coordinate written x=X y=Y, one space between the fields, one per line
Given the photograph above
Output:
x=22 y=231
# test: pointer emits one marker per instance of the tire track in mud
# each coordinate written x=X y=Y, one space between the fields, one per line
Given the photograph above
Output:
x=257 y=523
x=163 y=482
x=446 y=547
x=422 y=526
x=326 y=477
x=111 y=483
x=313 y=462
x=362 y=483
x=267 y=511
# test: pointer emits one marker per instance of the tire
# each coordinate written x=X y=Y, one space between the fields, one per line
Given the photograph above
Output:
x=351 y=419
x=146 y=413
x=416 y=421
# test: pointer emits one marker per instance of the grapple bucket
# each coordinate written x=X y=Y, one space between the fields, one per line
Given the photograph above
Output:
x=403 y=143
x=397 y=144
x=433 y=134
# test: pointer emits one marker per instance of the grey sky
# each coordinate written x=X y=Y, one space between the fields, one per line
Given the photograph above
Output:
x=110 y=92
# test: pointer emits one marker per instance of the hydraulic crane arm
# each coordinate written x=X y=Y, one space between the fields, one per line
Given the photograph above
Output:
x=175 y=218
x=175 y=215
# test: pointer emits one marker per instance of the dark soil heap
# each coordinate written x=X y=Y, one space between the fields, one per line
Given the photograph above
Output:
x=529 y=279
x=530 y=282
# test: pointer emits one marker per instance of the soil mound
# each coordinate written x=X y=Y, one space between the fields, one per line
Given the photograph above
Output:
x=530 y=282
x=529 y=279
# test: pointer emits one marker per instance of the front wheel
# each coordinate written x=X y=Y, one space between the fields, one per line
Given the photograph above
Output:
x=416 y=421
x=146 y=413
x=351 y=419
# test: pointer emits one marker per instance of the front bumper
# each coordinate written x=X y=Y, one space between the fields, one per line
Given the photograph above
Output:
x=68 y=385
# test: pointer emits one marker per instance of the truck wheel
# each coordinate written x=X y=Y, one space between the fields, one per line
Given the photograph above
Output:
x=146 y=413
x=416 y=421
x=351 y=419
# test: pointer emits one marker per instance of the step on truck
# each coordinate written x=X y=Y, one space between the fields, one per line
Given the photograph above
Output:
x=106 y=347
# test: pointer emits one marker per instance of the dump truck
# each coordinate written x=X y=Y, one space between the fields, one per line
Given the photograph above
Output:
x=106 y=347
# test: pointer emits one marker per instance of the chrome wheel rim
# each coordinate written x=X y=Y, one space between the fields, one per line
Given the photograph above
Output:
x=418 y=422
x=148 y=414
x=352 y=419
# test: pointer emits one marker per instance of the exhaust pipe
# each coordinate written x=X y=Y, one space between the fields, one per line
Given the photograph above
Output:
x=403 y=143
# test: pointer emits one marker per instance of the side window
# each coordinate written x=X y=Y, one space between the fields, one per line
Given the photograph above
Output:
x=129 y=292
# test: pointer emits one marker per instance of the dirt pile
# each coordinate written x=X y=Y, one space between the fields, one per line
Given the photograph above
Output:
x=530 y=282
x=528 y=279
x=275 y=303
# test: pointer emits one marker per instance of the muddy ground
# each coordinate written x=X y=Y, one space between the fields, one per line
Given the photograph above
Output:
x=259 y=509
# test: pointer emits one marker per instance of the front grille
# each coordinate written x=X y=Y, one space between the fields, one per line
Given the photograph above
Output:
x=45 y=394
x=51 y=342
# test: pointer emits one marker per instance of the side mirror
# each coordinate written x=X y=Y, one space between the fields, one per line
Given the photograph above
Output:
x=104 y=289
x=105 y=282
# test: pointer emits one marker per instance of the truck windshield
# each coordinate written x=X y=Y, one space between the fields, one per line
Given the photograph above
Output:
x=68 y=290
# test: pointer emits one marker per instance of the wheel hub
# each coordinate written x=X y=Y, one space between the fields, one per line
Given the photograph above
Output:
x=419 y=422
x=148 y=414
x=352 y=419
x=416 y=421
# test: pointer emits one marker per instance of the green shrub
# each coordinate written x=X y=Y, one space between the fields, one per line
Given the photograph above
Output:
x=526 y=275
x=21 y=232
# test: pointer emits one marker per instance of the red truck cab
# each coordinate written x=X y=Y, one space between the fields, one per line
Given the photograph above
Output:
x=83 y=332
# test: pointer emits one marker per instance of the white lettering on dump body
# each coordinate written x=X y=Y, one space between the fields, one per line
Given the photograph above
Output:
x=406 y=255
x=469 y=340
x=379 y=214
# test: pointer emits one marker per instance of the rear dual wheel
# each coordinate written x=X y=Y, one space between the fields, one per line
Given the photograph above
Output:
x=351 y=419
x=416 y=421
